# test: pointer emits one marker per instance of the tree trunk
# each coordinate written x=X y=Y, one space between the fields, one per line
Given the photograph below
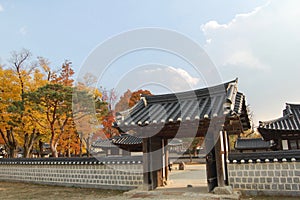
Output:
x=10 y=142
x=88 y=147
x=29 y=140
x=53 y=146
x=26 y=152
x=12 y=152
x=69 y=150
x=80 y=147
x=41 y=149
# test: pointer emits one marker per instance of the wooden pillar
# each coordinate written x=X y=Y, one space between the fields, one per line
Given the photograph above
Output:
x=153 y=163
x=146 y=164
x=219 y=163
x=166 y=177
x=226 y=150
x=211 y=170
x=214 y=161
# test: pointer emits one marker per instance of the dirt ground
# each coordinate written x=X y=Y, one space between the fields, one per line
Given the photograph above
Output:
x=14 y=191
x=26 y=191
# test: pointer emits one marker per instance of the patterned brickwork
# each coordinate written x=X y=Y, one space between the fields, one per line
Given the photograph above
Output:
x=108 y=176
x=266 y=178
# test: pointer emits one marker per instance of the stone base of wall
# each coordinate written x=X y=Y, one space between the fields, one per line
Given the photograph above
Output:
x=117 y=175
x=272 y=178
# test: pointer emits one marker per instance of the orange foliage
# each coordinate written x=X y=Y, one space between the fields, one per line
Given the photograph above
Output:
x=136 y=96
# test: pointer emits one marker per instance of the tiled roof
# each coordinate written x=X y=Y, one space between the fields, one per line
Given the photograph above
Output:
x=103 y=143
x=289 y=121
x=123 y=139
x=126 y=139
x=252 y=144
x=220 y=100
x=175 y=142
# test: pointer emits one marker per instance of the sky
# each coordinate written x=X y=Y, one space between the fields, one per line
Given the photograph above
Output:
x=257 y=41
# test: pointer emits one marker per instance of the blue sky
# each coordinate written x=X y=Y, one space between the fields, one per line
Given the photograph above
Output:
x=257 y=41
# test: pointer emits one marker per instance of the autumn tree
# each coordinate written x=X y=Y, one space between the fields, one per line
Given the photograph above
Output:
x=65 y=75
x=29 y=78
x=123 y=103
x=69 y=142
x=22 y=77
x=50 y=74
x=105 y=112
x=8 y=93
x=129 y=99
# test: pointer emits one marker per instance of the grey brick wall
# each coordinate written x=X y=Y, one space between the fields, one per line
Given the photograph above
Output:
x=280 y=178
x=122 y=176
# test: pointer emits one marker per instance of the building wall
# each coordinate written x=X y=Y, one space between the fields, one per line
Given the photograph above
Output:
x=266 y=178
x=109 y=174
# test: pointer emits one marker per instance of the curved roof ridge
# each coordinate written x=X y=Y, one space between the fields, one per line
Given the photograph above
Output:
x=126 y=112
x=292 y=105
x=216 y=89
x=268 y=122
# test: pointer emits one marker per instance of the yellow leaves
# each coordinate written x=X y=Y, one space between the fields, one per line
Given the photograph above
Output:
x=97 y=94
x=10 y=90
x=38 y=80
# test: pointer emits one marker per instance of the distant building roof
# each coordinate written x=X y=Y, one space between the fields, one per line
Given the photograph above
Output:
x=123 y=139
x=252 y=144
x=126 y=139
x=195 y=105
x=288 y=123
x=175 y=142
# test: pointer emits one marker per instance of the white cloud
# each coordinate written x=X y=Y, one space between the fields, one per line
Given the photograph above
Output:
x=172 y=75
x=212 y=25
x=193 y=81
x=167 y=78
x=261 y=48
x=1 y=8
x=234 y=37
x=244 y=59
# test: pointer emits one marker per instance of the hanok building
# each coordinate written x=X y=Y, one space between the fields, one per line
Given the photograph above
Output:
x=284 y=131
x=214 y=112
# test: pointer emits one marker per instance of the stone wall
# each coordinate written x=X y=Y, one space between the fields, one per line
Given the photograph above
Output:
x=107 y=173
x=265 y=177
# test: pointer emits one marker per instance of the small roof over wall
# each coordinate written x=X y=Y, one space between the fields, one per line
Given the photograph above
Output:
x=126 y=141
x=197 y=107
x=252 y=144
x=285 y=127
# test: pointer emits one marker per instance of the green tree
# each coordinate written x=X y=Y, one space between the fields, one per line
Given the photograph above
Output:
x=54 y=103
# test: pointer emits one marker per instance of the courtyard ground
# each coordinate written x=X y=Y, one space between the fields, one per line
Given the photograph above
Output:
x=26 y=191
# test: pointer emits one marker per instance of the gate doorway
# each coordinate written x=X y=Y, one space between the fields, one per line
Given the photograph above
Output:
x=212 y=113
x=187 y=163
